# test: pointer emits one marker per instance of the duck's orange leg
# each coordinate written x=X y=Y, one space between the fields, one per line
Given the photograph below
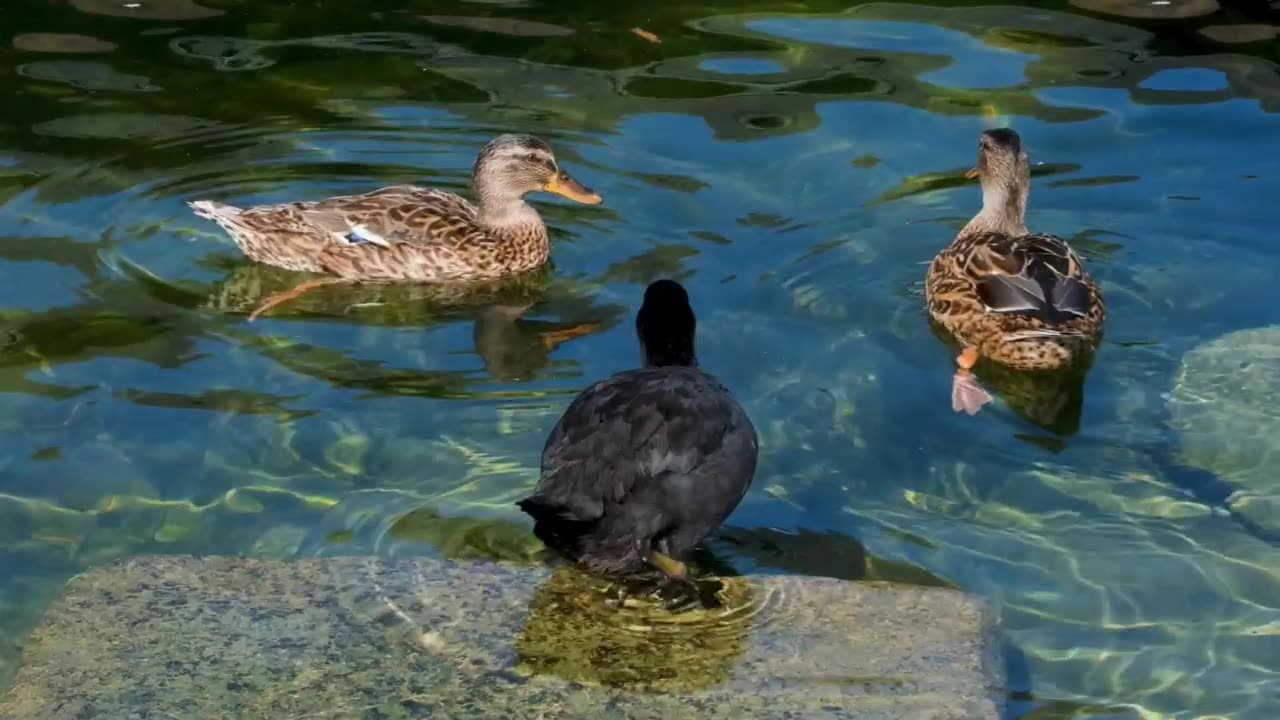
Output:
x=668 y=565
x=966 y=394
x=293 y=292
x=551 y=340
x=659 y=558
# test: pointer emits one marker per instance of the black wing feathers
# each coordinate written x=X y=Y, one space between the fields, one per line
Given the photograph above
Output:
x=1040 y=279
x=635 y=425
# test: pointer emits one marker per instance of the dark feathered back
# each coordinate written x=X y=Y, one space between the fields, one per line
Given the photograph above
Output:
x=666 y=325
x=646 y=460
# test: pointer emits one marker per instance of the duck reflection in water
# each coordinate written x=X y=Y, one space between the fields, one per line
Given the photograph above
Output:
x=645 y=463
x=517 y=348
x=512 y=347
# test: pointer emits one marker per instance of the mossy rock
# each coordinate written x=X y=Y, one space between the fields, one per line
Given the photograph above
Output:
x=1225 y=405
x=180 y=636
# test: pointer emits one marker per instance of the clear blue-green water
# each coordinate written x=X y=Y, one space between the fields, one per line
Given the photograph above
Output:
x=794 y=164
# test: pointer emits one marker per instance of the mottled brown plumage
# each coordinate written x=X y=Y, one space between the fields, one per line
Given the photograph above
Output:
x=411 y=233
x=1021 y=299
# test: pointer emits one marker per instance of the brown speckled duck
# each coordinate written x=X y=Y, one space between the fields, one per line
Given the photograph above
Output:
x=1020 y=299
x=412 y=233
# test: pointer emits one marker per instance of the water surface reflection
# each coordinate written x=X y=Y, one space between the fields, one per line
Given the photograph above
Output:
x=793 y=169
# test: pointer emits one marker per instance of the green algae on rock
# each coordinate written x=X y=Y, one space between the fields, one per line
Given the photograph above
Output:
x=355 y=637
x=1225 y=405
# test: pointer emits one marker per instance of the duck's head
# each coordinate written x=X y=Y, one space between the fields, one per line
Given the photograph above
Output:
x=666 y=325
x=1005 y=173
x=511 y=166
x=1001 y=161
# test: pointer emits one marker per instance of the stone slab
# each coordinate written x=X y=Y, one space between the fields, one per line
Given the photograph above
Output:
x=1224 y=406
x=193 y=637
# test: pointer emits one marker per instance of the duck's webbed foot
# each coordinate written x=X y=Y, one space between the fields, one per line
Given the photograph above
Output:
x=293 y=292
x=669 y=566
x=966 y=394
x=680 y=590
x=552 y=339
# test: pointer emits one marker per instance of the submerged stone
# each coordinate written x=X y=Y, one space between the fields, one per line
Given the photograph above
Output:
x=361 y=637
x=61 y=43
x=148 y=9
x=502 y=26
x=1225 y=405
x=1240 y=33
x=1157 y=9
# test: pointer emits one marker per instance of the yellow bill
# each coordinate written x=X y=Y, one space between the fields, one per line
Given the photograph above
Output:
x=972 y=174
x=564 y=185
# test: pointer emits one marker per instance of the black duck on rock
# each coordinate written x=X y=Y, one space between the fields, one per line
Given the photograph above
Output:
x=643 y=465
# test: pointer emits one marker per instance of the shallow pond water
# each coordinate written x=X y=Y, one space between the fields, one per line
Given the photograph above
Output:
x=795 y=165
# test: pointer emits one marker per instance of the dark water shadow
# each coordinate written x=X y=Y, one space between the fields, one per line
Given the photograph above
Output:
x=760 y=550
x=809 y=552
x=1051 y=400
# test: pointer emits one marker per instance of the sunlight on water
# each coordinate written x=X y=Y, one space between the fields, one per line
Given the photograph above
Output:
x=795 y=170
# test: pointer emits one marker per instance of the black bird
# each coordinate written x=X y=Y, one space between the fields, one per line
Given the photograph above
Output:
x=646 y=463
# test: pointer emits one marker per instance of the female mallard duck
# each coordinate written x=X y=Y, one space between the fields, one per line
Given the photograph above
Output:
x=644 y=464
x=1021 y=299
x=411 y=233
